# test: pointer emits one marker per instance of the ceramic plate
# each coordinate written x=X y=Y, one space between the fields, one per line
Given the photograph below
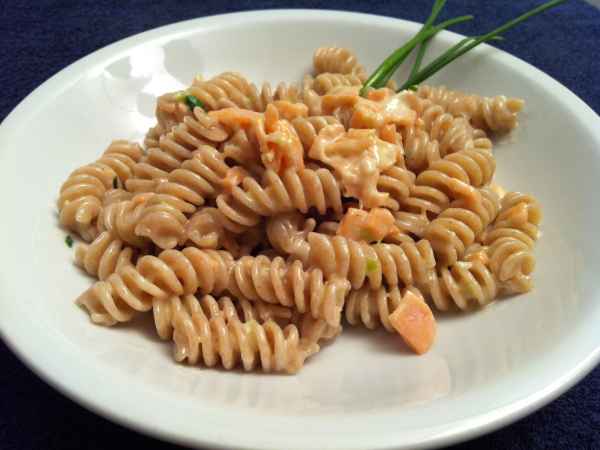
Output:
x=485 y=370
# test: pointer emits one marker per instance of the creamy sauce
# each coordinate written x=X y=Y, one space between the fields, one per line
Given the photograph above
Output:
x=358 y=157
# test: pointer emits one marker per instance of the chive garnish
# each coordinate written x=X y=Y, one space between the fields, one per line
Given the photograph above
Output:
x=417 y=75
x=69 y=241
x=385 y=71
x=470 y=43
x=372 y=265
x=193 y=102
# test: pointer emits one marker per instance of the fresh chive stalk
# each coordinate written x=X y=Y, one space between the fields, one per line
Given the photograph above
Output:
x=385 y=71
x=469 y=43
x=69 y=241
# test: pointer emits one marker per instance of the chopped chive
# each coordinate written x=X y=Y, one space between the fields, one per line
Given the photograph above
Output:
x=372 y=265
x=69 y=241
x=471 y=42
x=193 y=102
x=180 y=96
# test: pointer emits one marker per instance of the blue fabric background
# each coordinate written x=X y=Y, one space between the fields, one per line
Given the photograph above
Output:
x=39 y=38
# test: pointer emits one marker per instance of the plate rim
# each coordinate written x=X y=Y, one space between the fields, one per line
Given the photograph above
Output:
x=20 y=342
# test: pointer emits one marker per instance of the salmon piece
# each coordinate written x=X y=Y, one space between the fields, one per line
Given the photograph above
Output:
x=414 y=322
x=371 y=226
x=236 y=118
x=290 y=111
x=280 y=145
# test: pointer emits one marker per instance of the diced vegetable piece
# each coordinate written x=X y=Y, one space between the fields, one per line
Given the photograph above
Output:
x=414 y=322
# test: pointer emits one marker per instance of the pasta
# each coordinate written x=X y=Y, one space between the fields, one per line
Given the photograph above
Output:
x=495 y=113
x=373 y=307
x=361 y=263
x=212 y=338
x=254 y=221
x=337 y=60
x=293 y=190
x=104 y=256
x=274 y=281
x=81 y=196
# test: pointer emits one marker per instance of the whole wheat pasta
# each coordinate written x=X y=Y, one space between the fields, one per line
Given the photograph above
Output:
x=165 y=309
x=81 y=195
x=213 y=340
x=337 y=60
x=293 y=190
x=497 y=113
x=257 y=216
x=104 y=255
x=362 y=263
x=459 y=225
x=274 y=281
x=373 y=307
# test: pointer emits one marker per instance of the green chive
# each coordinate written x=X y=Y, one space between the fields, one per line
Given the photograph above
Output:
x=193 y=102
x=69 y=241
x=471 y=42
x=372 y=265
x=385 y=71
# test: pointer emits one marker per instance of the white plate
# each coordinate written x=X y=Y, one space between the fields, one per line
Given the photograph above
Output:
x=486 y=369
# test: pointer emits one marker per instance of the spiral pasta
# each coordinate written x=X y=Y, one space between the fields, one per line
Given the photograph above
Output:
x=373 y=307
x=325 y=82
x=361 y=263
x=213 y=339
x=465 y=284
x=337 y=60
x=209 y=229
x=433 y=188
x=497 y=113
x=104 y=256
x=196 y=132
x=274 y=281
x=309 y=127
x=165 y=308
x=288 y=234
x=257 y=216
x=509 y=242
x=81 y=195
x=293 y=190
x=458 y=226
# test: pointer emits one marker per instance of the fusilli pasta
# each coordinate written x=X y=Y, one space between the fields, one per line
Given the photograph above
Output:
x=299 y=204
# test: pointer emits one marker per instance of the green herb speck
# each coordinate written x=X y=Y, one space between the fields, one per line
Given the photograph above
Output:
x=192 y=101
x=372 y=265
x=69 y=241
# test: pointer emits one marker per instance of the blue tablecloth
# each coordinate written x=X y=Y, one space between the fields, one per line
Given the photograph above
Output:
x=38 y=38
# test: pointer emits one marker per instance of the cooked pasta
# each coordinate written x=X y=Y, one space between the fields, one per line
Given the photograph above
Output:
x=256 y=218
x=274 y=281
x=373 y=307
x=337 y=60
x=494 y=113
x=213 y=339
x=104 y=256
x=362 y=263
x=81 y=196
x=165 y=309
x=291 y=191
